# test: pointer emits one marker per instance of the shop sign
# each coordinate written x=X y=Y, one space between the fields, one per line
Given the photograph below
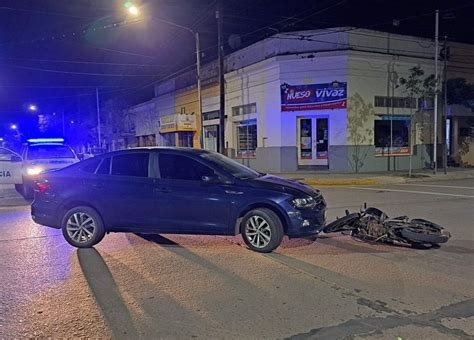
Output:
x=186 y=121
x=178 y=122
x=313 y=96
x=167 y=123
x=393 y=151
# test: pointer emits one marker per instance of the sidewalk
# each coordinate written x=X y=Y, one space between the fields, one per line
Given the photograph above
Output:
x=374 y=178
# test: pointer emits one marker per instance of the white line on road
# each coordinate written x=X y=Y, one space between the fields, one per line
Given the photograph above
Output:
x=413 y=192
x=435 y=186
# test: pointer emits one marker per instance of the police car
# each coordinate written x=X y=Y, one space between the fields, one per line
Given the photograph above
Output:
x=10 y=167
x=39 y=155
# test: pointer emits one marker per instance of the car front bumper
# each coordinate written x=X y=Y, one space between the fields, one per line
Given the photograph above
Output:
x=306 y=222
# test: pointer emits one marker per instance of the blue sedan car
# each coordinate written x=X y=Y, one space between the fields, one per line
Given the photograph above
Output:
x=177 y=191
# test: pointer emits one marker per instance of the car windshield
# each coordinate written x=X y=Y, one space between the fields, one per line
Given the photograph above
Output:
x=230 y=166
x=49 y=151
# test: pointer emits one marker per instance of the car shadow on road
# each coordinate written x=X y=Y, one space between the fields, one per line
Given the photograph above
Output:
x=106 y=293
x=234 y=280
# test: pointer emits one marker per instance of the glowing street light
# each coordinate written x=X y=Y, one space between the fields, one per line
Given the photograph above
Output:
x=131 y=8
x=32 y=108
x=13 y=127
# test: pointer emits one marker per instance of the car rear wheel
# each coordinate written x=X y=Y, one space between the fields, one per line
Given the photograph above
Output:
x=262 y=230
x=82 y=227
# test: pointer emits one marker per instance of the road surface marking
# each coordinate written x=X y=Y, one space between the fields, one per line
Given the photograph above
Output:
x=413 y=192
x=436 y=186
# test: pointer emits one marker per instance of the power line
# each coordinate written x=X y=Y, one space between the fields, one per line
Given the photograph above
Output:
x=59 y=87
x=82 y=62
x=79 y=73
x=44 y=12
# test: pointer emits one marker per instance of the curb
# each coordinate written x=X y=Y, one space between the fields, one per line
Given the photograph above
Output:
x=342 y=182
x=378 y=180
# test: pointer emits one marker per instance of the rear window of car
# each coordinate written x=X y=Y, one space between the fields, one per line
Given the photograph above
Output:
x=48 y=152
x=134 y=165
x=104 y=168
x=91 y=165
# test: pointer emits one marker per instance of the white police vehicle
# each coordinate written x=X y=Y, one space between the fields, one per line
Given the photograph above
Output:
x=10 y=167
x=42 y=154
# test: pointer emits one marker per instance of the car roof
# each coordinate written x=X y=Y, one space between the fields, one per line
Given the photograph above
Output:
x=159 y=148
x=50 y=144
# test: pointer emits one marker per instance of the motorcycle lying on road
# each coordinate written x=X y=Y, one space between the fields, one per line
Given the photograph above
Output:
x=372 y=224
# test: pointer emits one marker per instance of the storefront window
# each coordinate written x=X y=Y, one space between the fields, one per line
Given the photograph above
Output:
x=168 y=139
x=400 y=137
x=185 y=139
x=247 y=138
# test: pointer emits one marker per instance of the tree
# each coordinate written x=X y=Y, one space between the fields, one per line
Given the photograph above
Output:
x=417 y=86
x=359 y=113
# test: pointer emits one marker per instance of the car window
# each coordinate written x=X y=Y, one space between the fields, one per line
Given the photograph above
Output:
x=229 y=165
x=5 y=154
x=49 y=151
x=174 y=166
x=134 y=164
x=91 y=165
x=104 y=167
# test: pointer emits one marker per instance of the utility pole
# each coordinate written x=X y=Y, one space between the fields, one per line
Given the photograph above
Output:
x=198 y=79
x=98 y=116
x=445 y=116
x=220 y=26
x=435 y=141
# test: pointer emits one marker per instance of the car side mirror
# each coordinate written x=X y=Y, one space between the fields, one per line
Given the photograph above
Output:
x=16 y=158
x=211 y=179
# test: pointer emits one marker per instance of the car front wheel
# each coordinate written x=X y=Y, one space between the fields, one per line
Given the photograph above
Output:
x=82 y=227
x=262 y=230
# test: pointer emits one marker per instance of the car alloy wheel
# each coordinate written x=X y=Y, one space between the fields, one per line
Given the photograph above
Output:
x=81 y=227
x=258 y=231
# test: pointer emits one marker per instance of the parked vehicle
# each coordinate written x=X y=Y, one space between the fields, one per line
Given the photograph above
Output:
x=10 y=167
x=175 y=190
x=39 y=155
x=373 y=224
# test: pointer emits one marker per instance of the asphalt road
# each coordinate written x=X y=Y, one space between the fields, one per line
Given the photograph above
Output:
x=212 y=287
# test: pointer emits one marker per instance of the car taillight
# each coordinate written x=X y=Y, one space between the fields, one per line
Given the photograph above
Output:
x=43 y=186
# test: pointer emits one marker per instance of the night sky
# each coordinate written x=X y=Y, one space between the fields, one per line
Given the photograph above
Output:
x=56 y=52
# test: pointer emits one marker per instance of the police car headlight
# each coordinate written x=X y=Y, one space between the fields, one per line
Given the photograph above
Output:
x=33 y=171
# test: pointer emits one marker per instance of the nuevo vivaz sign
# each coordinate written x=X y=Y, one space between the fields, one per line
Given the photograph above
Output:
x=313 y=96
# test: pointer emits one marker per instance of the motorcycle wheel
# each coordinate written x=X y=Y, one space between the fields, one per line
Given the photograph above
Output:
x=341 y=223
x=425 y=236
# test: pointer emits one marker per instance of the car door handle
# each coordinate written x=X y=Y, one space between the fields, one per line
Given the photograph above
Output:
x=162 y=190
x=232 y=192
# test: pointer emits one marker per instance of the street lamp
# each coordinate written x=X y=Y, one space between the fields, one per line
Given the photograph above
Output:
x=14 y=127
x=32 y=108
x=132 y=9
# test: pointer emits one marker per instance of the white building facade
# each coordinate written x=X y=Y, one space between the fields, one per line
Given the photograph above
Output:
x=312 y=100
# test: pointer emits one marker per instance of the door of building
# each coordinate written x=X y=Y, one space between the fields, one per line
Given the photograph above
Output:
x=313 y=141
x=211 y=137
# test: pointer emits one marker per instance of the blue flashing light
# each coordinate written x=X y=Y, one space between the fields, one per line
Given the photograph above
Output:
x=45 y=140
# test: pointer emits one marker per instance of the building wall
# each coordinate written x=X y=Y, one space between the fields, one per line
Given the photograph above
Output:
x=378 y=74
x=187 y=102
x=370 y=62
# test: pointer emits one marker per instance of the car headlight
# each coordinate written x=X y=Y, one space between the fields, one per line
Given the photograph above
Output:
x=303 y=203
x=33 y=171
